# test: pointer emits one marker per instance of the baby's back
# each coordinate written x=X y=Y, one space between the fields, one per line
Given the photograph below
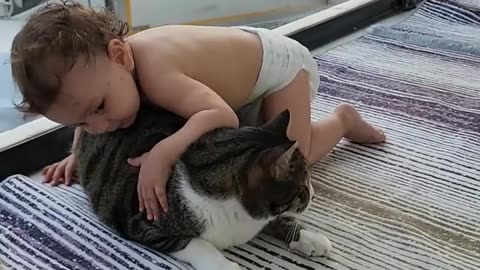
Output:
x=228 y=60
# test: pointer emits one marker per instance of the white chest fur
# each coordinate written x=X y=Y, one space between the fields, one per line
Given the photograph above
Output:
x=227 y=222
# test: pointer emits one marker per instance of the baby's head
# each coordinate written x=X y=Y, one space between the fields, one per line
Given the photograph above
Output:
x=73 y=65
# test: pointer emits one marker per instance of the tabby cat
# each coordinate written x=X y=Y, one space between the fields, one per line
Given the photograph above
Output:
x=228 y=186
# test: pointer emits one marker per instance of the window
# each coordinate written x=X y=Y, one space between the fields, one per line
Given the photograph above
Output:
x=266 y=13
x=9 y=117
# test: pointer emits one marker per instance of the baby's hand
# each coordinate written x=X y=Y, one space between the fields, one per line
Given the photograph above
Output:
x=61 y=171
x=152 y=183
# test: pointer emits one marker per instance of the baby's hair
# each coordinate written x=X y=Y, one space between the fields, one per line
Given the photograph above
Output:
x=51 y=42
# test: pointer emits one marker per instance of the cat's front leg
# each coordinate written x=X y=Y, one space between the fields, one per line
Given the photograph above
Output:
x=202 y=255
x=297 y=238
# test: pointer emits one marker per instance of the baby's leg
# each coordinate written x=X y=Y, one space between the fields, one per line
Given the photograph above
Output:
x=202 y=255
x=317 y=139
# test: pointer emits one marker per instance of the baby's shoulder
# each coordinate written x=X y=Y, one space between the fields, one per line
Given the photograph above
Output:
x=159 y=50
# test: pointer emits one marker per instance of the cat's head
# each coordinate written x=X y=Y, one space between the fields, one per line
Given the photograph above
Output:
x=277 y=179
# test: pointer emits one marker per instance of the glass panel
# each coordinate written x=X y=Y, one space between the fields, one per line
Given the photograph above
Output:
x=9 y=117
x=265 y=13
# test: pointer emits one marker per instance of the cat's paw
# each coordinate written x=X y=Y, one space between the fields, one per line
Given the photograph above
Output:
x=312 y=244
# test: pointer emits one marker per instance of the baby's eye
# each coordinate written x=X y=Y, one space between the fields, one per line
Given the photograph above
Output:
x=100 y=107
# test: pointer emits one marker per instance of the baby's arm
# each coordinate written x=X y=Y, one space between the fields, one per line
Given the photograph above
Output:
x=205 y=111
x=203 y=107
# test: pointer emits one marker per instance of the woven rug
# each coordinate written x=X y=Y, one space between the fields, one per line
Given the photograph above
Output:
x=414 y=202
x=411 y=203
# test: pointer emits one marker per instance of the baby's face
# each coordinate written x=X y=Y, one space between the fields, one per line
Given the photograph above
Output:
x=99 y=96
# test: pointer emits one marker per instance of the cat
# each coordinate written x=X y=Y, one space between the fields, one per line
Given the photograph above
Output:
x=226 y=188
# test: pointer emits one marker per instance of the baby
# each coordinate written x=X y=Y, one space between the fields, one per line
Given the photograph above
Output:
x=76 y=66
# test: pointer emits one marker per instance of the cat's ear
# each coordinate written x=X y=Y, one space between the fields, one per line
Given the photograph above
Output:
x=282 y=165
x=279 y=124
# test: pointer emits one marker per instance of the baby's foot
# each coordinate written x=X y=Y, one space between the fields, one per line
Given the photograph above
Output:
x=358 y=130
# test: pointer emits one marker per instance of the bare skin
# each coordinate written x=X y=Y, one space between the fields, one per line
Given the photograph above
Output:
x=202 y=74
x=317 y=139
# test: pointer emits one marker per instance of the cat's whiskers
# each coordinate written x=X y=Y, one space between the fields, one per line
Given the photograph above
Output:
x=295 y=229
x=285 y=243
x=290 y=236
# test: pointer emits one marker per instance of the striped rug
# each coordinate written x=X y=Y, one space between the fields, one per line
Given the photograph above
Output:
x=414 y=202
x=411 y=203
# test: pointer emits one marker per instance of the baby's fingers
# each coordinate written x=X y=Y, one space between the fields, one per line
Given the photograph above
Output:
x=58 y=174
x=148 y=207
x=68 y=173
x=141 y=201
x=152 y=204
x=48 y=173
x=45 y=169
x=141 y=204
x=162 y=198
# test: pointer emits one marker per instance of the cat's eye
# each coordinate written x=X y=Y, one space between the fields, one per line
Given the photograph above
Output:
x=100 y=107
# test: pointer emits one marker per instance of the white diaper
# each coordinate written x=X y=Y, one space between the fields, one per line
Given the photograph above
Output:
x=283 y=58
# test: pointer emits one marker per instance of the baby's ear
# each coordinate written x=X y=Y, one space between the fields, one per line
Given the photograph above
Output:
x=279 y=124
x=281 y=167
